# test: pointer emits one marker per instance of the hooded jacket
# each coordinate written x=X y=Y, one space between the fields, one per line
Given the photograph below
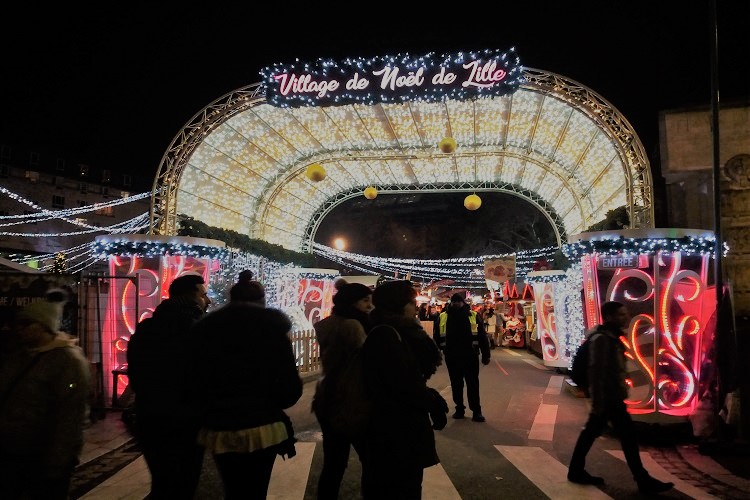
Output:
x=45 y=406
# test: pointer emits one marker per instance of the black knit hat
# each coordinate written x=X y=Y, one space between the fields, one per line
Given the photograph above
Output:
x=393 y=295
x=457 y=297
x=349 y=293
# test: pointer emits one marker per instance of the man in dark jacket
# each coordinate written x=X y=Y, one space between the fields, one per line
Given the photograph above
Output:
x=608 y=389
x=461 y=336
x=164 y=428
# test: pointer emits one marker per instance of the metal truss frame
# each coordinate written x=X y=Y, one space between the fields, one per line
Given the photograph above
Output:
x=163 y=216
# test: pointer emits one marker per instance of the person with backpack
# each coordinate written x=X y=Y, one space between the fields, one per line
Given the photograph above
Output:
x=608 y=389
x=399 y=357
x=340 y=337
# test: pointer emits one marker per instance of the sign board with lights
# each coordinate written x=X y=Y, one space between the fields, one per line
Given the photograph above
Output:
x=393 y=79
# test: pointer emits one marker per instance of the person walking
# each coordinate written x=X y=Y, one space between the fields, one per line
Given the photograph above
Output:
x=243 y=378
x=608 y=389
x=164 y=427
x=398 y=358
x=462 y=338
x=44 y=392
x=490 y=326
x=339 y=336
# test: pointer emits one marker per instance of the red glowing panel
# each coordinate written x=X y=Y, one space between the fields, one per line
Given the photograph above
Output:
x=671 y=304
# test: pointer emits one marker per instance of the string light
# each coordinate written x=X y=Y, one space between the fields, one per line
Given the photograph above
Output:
x=687 y=245
x=466 y=271
x=59 y=214
x=129 y=226
x=128 y=248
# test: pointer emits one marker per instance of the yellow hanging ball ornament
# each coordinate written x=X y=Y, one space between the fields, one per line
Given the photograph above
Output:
x=315 y=172
x=371 y=193
x=447 y=145
x=472 y=202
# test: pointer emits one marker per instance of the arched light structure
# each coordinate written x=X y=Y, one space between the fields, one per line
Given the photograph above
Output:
x=240 y=163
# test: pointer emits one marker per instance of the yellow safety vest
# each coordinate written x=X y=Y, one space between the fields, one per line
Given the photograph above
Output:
x=472 y=323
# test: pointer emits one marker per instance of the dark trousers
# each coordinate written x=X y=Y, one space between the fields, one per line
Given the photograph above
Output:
x=173 y=457
x=617 y=413
x=462 y=367
x=336 y=448
x=246 y=475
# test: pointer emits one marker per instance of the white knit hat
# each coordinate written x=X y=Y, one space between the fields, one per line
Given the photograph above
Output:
x=48 y=314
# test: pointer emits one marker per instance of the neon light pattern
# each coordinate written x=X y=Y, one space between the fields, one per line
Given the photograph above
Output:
x=672 y=305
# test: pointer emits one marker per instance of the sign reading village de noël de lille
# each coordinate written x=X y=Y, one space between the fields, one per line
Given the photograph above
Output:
x=394 y=79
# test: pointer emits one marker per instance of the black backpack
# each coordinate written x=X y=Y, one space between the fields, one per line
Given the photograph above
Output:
x=579 y=372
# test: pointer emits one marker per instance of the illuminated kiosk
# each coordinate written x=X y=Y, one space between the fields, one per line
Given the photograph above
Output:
x=664 y=276
x=141 y=267
x=550 y=323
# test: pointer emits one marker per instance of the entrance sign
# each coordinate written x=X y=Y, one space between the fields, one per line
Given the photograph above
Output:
x=393 y=79
x=622 y=261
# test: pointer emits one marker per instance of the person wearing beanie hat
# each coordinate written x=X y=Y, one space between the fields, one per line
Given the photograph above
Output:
x=243 y=376
x=462 y=338
x=340 y=336
x=399 y=357
x=45 y=382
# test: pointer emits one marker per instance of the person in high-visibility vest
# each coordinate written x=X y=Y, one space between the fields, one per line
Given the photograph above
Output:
x=461 y=337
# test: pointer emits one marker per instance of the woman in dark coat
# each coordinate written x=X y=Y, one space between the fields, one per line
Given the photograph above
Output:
x=398 y=358
x=245 y=377
x=339 y=336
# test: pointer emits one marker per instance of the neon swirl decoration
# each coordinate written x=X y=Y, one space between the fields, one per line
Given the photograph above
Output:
x=674 y=285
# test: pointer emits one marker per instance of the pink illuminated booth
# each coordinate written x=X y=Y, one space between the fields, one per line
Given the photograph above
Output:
x=665 y=278
x=141 y=267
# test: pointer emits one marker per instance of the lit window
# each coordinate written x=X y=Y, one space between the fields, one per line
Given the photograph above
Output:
x=106 y=211
x=32 y=175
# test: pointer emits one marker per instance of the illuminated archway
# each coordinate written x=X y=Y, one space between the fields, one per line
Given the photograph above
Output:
x=240 y=163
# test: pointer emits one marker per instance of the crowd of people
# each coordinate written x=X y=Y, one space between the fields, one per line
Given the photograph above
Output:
x=373 y=393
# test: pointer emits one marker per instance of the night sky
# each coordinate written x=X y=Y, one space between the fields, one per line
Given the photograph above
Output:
x=113 y=87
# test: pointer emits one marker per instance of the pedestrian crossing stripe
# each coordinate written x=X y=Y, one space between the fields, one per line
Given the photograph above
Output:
x=290 y=477
x=547 y=473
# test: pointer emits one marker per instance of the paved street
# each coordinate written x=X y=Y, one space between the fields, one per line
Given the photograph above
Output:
x=521 y=451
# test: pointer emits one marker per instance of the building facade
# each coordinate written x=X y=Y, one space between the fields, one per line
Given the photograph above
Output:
x=33 y=182
x=686 y=145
